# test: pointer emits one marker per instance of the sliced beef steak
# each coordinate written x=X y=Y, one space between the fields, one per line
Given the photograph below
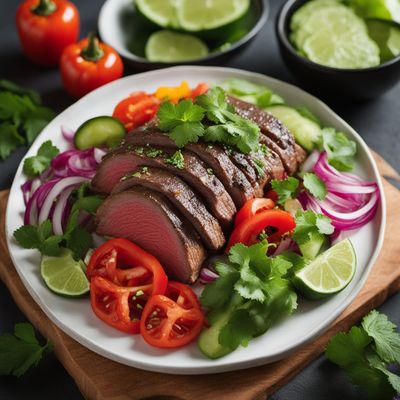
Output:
x=233 y=179
x=120 y=162
x=182 y=197
x=281 y=140
x=149 y=220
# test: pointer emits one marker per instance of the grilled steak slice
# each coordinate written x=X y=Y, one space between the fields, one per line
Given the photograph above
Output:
x=149 y=220
x=182 y=197
x=127 y=158
x=233 y=179
x=273 y=129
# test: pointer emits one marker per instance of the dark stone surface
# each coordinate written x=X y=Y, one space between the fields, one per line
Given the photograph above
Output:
x=378 y=121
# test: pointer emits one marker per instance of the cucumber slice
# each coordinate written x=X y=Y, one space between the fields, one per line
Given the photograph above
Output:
x=99 y=131
x=306 y=132
x=313 y=247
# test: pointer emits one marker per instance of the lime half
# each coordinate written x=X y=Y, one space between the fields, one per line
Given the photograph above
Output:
x=63 y=275
x=201 y=15
x=160 y=12
x=329 y=273
x=170 y=47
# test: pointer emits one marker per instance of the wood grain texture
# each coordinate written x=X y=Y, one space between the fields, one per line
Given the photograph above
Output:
x=101 y=379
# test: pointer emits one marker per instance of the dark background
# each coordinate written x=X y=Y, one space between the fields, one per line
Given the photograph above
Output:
x=378 y=121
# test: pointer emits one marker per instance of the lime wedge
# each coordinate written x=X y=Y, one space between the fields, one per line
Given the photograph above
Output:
x=201 y=15
x=170 y=47
x=329 y=273
x=63 y=275
x=387 y=37
x=160 y=12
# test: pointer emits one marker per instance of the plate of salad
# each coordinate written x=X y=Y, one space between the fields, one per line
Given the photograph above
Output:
x=196 y=220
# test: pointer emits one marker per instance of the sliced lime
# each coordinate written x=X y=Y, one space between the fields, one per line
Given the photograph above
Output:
x=201 y=15
x=387 y=37
x=345 y=51
x=63 y=275
x=309 y=8
x=169 y=47
x=329 y=273
x=160 y=12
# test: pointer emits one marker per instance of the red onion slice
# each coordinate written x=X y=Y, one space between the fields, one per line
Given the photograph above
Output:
x=58 y=212
x=207 y=276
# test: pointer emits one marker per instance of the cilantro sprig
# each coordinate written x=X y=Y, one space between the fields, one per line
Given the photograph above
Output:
x=75 y=237
x=35 y=165
x=251 y=293
x=210 y=118
x=22 y=117
x=286 y=188
x=20 y=351
x=310 y=225
x=367 y=352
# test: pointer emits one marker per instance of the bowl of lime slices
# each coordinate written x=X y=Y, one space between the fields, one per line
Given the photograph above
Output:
x=341 y=49
x=151 y=34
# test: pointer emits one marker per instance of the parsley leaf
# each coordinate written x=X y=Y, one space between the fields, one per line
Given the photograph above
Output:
x=285 y=189
x=20 y=351
x=190 y=132
x=315 y=185
x=339 y=148
x=309 y=225
x=37 y=164
x=176 y=159
x=10 y=139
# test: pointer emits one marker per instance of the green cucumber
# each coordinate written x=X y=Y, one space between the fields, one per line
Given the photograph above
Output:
x=313 y=247
x=306 y=132
x=98 y=132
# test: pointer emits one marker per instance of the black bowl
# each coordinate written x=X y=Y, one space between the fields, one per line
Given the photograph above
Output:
x=339 y=84
x=123 y=28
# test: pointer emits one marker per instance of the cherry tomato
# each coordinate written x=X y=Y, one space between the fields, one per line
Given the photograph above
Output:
x=172 y=320
x=117 y=306
x=45 y=28
x=252 y=207
x=89 y=64
x=126 y=264
x=274 y=222
x=136 y=109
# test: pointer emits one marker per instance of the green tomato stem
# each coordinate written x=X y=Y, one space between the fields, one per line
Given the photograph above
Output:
x=93 y=51
x=45 y=8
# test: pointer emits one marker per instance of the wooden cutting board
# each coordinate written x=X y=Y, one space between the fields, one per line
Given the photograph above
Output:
x=101 y=379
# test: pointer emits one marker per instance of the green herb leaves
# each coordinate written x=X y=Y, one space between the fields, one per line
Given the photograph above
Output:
x=365 y=352
x=285 y=189
x=339 y=148
x=176 y=159
x=20 y=351
x=37 y=164
x=21 y=117
x=309 y=225
x=251 y=288
x=314 y=185
x=186 y=123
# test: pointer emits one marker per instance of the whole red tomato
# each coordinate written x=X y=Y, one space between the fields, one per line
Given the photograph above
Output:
x=88 y=64
x=45 y=28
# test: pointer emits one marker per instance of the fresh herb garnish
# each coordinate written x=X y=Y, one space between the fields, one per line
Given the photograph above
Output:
x=285 y=189
x=35 y=165
x=315 y=185
x=310 y=225
x=251 y=293
x=153 y=153
x=339 y=148
x=22 y=117
x=75 y=238
x=176 y=159
x=259 y=167
x=20 y=351
x=264 y=149
x=366 y=354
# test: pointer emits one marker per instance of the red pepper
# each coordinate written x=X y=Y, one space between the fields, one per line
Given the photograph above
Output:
x=253 y=207
x=277 y=222
x=45 y=28
x=89 y=64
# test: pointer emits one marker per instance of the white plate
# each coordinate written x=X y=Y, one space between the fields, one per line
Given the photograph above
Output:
x=75 y=317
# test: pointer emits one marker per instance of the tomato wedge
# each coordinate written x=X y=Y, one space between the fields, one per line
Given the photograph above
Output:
x=172 y=320
x=274 y=222
x=126 y=264
x=120 y=307
x=136 y=109
x=253 y=207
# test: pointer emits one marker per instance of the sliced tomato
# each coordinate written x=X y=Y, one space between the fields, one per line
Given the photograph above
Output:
x=200 y=89
x=274 y=223
x=119 y=307
x=127 y=265
x=172 y=320
x=136 y=109
x=253 y=207
x=271 y=194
